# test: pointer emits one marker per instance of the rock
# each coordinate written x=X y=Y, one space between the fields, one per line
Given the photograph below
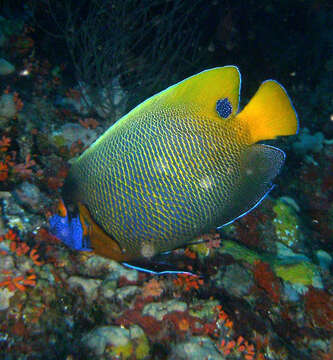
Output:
x=120 y=342
x=29 y=196
x=127 y=292
x=108 y=289
x=70 y=133
x=6 y=67
x=290 y=292
x=307 y=142
x=98 y=266
x=5 y=296
x=159 y=309
x=237 y=280
x=7 y=106
x=7 y=262
x=89 y=286
x=204 y=309
x=197 y=348
x=16 y=217
x=324 y=259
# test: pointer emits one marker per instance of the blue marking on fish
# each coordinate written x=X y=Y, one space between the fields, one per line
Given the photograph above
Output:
x=223 y=107
x=70 y=232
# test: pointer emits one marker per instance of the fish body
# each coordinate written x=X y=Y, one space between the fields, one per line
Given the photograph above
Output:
x=180 y=164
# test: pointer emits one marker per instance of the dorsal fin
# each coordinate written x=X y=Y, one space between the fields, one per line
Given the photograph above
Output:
x=269 y=113
x=203 y=90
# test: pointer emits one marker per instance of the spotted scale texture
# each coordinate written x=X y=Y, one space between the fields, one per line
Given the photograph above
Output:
x=157 y=181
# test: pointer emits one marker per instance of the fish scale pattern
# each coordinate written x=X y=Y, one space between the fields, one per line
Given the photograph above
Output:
x=158 y=179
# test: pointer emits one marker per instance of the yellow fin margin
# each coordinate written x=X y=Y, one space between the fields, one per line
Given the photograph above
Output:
x=269 y=113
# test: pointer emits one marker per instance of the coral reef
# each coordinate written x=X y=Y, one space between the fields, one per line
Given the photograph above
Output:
x=261 y=288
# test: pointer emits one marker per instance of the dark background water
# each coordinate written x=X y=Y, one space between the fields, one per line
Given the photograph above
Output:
x=156 y=43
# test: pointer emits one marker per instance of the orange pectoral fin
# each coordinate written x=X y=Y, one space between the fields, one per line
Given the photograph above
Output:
x=61 y=208
x=101 y=243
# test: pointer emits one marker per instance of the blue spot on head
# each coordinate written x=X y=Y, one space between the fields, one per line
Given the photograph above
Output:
x=223 y=107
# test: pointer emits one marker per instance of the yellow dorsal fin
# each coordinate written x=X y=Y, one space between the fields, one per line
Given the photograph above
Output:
x=203 y=89
x=199 y=93
x=269 y=113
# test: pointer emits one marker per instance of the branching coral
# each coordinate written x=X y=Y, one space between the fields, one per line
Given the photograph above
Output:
x=188 y=282
x=15 y=278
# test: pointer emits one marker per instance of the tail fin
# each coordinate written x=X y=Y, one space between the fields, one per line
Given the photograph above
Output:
x=269 y=113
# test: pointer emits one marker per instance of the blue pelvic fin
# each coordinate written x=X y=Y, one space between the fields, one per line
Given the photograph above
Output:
x=70 y=232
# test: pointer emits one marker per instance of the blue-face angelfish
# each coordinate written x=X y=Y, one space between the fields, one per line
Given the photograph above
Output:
x=181 y=163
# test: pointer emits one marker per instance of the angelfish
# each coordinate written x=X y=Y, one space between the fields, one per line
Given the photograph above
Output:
x=181 y=163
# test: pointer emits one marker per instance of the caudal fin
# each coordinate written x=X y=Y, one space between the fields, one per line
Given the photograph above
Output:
x=269 y=113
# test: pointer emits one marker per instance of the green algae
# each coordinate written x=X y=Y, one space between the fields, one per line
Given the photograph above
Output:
x=59 y=140
x=294 y=270
x=137 y=345
x=142 y=349
x=239 y=252
x=204 y=309
x=286 y=223
x=303 y=273
x=200 y=249
x=125 y=351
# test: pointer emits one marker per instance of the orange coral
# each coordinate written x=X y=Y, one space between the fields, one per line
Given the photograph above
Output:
x=240 y=346
x=3 y=171
x=188 y=282
x=18 y=282
x=5 y=143
x=89 y=123
x=19 y=248
x=34 y=257
x=10 y=235
x=183 y=324
x=152 y=288
x=190 y=254
x=24 y=168
x=213 y=240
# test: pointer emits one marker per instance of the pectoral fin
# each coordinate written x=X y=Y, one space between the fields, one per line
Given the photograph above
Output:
x=260 y=164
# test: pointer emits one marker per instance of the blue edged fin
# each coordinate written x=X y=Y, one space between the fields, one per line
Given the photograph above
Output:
x=260 y=164
x=159 y=269
x=169 y=262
